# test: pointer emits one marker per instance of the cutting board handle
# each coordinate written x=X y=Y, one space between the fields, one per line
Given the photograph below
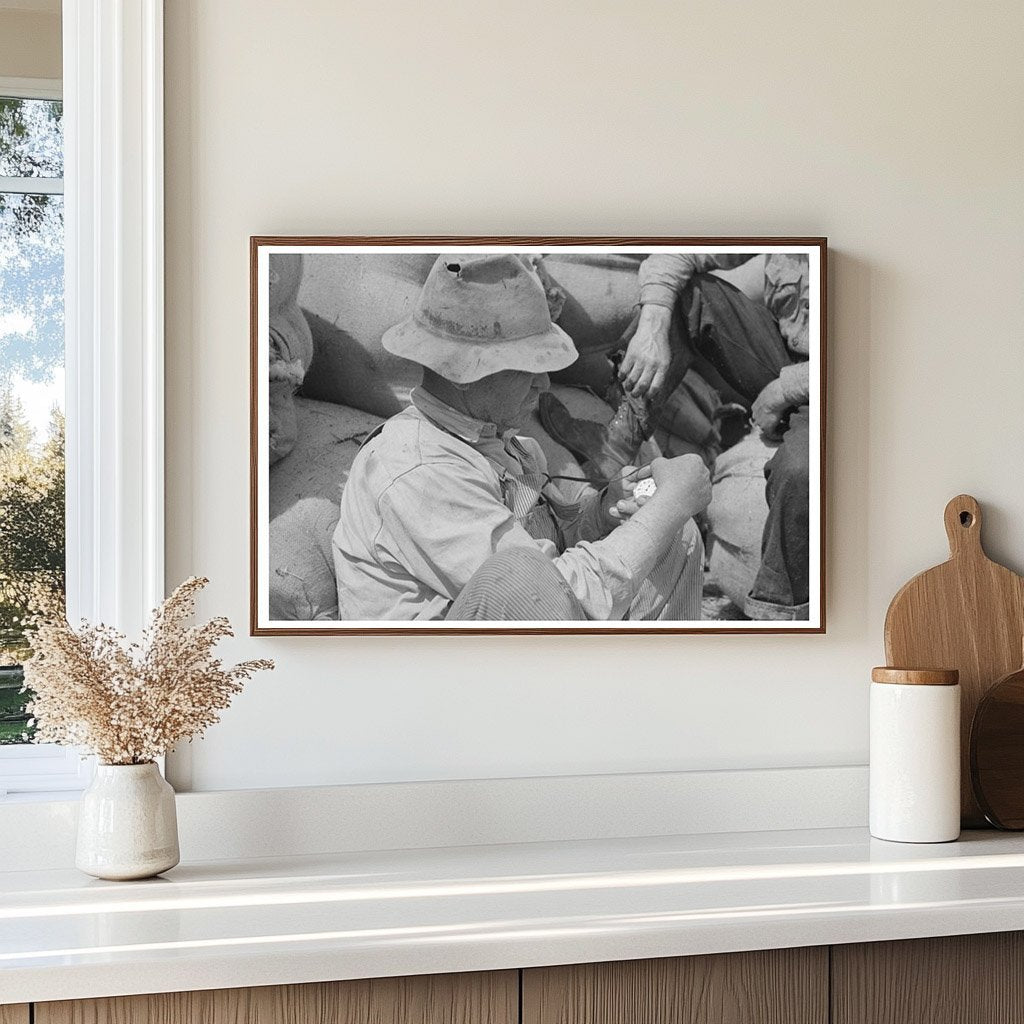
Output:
x=963 y=526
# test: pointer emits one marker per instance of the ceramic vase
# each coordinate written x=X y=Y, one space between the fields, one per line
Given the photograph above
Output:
x=127 y=825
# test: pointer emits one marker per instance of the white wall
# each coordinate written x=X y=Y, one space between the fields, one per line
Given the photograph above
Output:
x=895 y=129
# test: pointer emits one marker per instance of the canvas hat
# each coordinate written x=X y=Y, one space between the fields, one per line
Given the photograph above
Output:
x=479 y=314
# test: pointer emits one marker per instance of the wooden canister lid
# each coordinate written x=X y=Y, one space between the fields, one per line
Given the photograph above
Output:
x=916 y=676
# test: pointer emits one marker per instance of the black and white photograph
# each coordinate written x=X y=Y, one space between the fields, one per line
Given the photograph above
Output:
x=537 y=435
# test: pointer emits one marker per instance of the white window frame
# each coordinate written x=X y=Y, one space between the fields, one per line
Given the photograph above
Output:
x=114 y=322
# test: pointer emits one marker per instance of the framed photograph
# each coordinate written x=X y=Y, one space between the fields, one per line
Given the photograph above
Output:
x=537 y=435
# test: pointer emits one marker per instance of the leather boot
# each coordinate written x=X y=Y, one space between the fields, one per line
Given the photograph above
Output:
x=603 y=451
x=582 y=437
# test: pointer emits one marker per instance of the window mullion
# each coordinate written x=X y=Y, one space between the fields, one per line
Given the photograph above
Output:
x=32 y=186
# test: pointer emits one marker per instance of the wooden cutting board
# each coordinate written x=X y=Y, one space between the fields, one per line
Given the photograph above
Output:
x=967 y=614
x=997 y=752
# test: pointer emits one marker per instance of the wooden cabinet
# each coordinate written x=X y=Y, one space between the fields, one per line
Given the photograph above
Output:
x=491 y=998
x=778 y=986
x=962 y=979
x=970 y=979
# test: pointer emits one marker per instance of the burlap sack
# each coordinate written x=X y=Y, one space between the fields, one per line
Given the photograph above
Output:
x=602 y=294
x=329 y=437
x=302 y=582
x=290 y=351
x=737 y=515
x=350 y=301
x=305 y=490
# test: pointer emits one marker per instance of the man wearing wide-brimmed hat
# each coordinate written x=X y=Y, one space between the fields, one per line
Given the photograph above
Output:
x=449 y=514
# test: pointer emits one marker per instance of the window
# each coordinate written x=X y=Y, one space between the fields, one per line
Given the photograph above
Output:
x=32 y=530
x=113 y=330
x=31 y=383
x=32 y=505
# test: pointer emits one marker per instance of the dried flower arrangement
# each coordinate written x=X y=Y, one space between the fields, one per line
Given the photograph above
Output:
x=130 y=703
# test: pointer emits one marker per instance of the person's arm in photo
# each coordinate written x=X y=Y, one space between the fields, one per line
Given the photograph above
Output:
x=791 y=389
x=647 y=529
x=441 y=524
x=663 y=276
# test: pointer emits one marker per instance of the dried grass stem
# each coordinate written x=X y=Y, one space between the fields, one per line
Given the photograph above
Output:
x=129 y=703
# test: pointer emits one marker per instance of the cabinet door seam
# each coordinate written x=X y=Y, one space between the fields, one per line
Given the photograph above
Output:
x=829 y=988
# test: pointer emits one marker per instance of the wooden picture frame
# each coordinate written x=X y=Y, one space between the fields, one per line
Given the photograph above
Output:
x=312 y=342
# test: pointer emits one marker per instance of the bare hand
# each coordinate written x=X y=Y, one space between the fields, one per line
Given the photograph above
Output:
x=620 y=503
x=770 y=408
x=648 y=355
x=684 y=480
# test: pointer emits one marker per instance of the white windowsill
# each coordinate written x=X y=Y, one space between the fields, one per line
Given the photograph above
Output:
x=49 y=797
x=42 y=771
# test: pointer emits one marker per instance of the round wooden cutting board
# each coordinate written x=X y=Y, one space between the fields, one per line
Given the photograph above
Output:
x=967 y=614
x=997 y=752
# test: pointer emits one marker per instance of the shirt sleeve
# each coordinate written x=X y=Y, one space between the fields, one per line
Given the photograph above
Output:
x=664 y=275
x=796 y=383
x=591 y=524
x=440 y=522
x=580 y=518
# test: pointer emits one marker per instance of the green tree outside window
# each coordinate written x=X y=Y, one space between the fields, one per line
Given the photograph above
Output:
x=32 y=542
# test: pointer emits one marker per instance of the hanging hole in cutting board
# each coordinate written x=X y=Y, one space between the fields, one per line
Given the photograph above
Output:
x=966 y=519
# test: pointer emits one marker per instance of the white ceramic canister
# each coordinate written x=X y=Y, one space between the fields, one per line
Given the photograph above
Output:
x=915 y=755
x=127 y=824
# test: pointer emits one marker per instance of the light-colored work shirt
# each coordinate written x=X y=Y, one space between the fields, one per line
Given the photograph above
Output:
x=664 y=275
x=436 y=493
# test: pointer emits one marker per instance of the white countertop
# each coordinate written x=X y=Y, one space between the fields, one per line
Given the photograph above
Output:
x=351 y=915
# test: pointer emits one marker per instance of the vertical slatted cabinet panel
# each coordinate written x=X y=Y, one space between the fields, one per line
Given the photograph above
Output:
x=961 y=979
x=482 y=998
x=777 y=986
x=14 y=1014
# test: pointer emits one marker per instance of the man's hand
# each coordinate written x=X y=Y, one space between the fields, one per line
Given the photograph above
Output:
x=619 y=502
x=683 y=490
x=686 y=480
x=648 y=355
x=770 y=408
